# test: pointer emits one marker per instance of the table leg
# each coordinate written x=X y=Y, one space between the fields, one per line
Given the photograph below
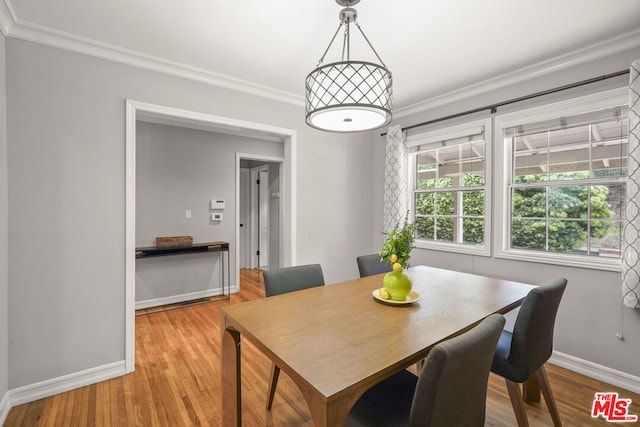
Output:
x=231 y=386
x=326 y=413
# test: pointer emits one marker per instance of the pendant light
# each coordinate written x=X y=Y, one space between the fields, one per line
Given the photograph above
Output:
x=348 y=96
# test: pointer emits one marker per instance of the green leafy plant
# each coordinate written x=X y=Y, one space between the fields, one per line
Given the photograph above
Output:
x=574 y=212
x=399 y=243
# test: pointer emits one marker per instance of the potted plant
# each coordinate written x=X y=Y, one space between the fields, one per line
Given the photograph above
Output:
x=396 y=251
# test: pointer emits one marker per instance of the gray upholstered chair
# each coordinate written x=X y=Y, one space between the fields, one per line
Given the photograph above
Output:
x=368 y=265
x=451 y=389
x=523 y=352
x=289 y=279
x=284 y=280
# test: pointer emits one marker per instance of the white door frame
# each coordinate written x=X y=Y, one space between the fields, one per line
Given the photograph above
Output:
x=185 y=118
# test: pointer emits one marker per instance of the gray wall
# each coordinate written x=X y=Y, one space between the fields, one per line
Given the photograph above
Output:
x=591 y=313
x=4 y=275
x=179 y=169
x=66 y=199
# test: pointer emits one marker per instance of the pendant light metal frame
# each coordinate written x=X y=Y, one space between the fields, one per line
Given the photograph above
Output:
x=348 y=96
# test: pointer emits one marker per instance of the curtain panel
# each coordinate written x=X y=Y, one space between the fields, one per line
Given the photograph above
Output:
x=395 y=179
x=631 y=241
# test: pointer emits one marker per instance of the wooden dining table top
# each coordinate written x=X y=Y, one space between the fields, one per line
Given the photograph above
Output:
x=336 y=341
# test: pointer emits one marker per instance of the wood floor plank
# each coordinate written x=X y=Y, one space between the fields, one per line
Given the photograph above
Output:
x=177 y=382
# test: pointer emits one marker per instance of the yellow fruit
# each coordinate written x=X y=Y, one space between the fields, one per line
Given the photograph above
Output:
x=393 y=258
x=384 y=294
x=397 y=267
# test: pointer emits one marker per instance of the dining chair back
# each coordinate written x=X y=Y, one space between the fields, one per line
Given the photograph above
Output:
x=291 y=279
x=522 y=353
x=450 y=390
x=283 y=280
x=368 y=265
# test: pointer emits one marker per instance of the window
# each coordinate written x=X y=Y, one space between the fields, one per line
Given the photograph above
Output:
x=450 y=182
x=564 y=168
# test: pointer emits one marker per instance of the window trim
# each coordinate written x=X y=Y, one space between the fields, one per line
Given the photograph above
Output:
x=502 y=171
x=452 y=132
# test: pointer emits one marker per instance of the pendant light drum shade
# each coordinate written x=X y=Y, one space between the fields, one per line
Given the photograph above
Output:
x=348 y=96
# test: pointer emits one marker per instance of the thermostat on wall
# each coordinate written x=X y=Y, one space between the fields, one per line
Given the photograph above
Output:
x=216 y=216
x=217 y=204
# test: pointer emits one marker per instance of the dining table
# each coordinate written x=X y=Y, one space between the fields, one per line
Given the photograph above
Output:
x=338 y=340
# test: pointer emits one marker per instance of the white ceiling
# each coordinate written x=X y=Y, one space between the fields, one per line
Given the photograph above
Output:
x=432 y=47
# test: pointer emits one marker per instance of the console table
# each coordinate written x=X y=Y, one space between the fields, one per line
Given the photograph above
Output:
x=222 y=247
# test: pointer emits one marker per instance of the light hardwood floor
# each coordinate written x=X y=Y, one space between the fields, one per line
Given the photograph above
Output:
x=177 y=382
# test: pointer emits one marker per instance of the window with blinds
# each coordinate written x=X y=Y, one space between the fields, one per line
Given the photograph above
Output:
x=565 y=182
x=451 y=174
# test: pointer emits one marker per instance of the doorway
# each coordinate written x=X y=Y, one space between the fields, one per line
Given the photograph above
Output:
x=260 y=212
x=135 y=111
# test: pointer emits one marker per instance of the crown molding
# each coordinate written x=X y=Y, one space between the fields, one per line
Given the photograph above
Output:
x=74 y=43
x=581 y=56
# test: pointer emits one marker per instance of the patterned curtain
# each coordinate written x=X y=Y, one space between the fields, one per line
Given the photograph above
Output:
x=395 y=178
x=631 y=259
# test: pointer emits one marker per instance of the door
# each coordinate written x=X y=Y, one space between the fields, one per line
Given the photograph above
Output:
x=263 y=218
x=244 y=259
x=259 y=227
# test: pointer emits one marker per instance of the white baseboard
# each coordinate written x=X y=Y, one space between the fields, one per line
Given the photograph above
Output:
x=598 y=372
x=47 y=388
x=5 y=407
x=174 y=299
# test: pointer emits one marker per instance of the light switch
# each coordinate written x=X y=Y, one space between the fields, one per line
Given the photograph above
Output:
x=216 y=216
x=187 y=213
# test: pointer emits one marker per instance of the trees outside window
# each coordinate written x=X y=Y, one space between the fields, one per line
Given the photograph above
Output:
x=436 y=217
x=568 y=219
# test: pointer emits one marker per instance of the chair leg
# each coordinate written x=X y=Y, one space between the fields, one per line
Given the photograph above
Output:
x=517 y=402
x=275 y=373
x=531 y=389
x=541 y=375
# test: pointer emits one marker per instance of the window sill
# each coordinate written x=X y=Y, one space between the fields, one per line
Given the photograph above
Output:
x=458 y=248
x=579 y=261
